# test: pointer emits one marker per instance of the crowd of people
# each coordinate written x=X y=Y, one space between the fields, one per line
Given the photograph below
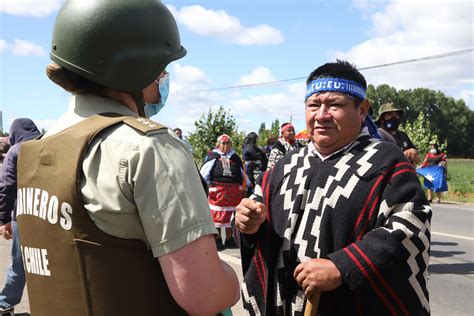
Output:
x=113 y=208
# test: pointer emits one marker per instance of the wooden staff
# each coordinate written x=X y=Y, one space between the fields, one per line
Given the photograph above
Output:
x=311 y=308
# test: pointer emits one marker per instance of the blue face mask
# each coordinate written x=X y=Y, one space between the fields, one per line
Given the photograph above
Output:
x=163 y=88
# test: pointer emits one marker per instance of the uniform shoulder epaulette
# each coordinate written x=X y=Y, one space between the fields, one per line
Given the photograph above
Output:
x=143 y=125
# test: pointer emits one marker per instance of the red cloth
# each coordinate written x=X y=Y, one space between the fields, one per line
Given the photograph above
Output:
x=430 y=158
x=223 y=198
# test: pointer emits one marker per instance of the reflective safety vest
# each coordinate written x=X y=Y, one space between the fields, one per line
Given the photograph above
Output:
x=72 y=267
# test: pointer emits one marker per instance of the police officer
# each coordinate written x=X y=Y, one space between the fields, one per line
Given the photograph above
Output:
x=388 y=121
x=112 y=214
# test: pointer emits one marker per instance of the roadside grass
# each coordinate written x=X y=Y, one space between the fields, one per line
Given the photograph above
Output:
x=460 y=181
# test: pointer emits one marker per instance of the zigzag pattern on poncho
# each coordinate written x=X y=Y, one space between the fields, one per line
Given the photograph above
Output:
x=364 y=209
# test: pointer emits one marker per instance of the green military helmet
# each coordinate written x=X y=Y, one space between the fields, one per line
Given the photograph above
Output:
x=120 y=44
x=388 y=107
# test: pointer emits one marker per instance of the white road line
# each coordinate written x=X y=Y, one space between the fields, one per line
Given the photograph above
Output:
x=451 y=235
x=230 y=259
x=460 y=206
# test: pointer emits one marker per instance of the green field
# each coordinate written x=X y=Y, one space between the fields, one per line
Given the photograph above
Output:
x=460 y=180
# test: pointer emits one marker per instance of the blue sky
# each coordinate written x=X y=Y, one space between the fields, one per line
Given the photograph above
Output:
x=232 y=43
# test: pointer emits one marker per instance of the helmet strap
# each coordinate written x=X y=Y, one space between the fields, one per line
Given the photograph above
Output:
x=138 y=98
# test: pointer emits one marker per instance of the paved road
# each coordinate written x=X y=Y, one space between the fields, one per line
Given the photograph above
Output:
x=451 y=271
x=5 y=247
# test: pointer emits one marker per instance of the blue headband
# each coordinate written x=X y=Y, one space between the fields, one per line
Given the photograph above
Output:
x=335 y=84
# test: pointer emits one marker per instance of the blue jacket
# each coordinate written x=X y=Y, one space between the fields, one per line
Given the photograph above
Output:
x=21 y=130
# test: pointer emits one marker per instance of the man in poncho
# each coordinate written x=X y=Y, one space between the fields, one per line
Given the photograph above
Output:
x=344 y=216
x=284 y=144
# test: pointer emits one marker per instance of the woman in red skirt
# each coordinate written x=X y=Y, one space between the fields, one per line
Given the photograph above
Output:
x=224 y=173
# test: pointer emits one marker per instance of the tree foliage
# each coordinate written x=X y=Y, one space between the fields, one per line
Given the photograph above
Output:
x=209 y=127
x=264 y=134
x=421 y=134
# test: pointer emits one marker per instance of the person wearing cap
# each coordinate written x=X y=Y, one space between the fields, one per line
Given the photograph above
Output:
x=388 y=121
x=282 y=145
x=224 y=173
x=344 y=219
x=112 y=214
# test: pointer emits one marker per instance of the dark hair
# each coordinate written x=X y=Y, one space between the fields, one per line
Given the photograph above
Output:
x=177 y=129
x=339 y=69
x=251 y=138
x=72 y=82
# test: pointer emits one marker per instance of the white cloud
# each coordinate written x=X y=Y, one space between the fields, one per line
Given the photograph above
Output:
x=467 y=95
x=187 y=100
x=219 y=24
x=185 y=105
x=250 y=112
x=258 y=75
x=35 y=8
x=298 y=88
x=21 y=48
x=3 y=45
x=366 y=5
x=411 y=29
x=185 y=79
x=282 y=103
x=25 y=48
x=188 y=77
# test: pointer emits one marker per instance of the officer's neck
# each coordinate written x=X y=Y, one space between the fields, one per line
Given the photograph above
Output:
x=122 y=97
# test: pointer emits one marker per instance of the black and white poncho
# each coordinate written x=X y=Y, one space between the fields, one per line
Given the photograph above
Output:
x=364 y=209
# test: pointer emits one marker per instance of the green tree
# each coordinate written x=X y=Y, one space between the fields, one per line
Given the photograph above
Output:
x=262 y=128
x=275 y=129
x=420 y=133
x=209 y=127
x=238 y=138
x=264 y=134
x=456 y=125
x=380 y=95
